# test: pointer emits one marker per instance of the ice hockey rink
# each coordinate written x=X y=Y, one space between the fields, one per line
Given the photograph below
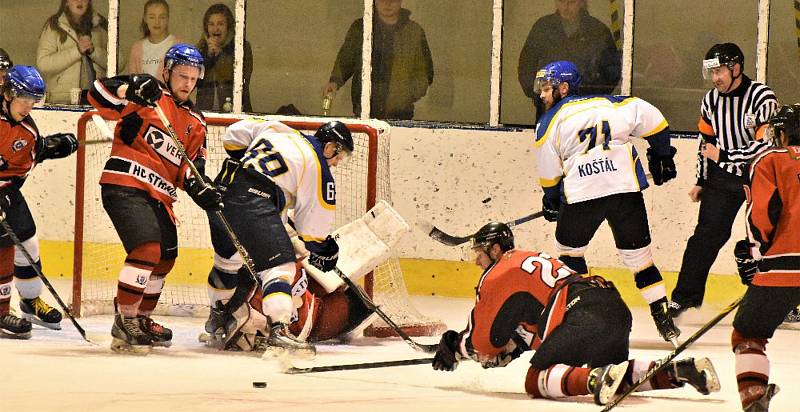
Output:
x=58 y=371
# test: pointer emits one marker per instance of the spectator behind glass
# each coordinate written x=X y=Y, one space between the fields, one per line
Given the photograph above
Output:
x=402 y=66
x=147 y=53
x=72 y=50
x=217 y=46
x=5 y=65
x=570 y=34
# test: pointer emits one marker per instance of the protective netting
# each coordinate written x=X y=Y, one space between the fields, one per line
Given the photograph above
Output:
x=99 y=255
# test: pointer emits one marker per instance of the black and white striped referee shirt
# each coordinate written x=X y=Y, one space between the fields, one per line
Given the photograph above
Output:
x=736 y=121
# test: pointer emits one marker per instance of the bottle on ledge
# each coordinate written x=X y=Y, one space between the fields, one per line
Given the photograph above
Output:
x=326 y=104
x=227 y=107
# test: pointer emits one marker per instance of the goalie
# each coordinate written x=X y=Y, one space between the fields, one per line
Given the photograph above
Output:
x=322 y=308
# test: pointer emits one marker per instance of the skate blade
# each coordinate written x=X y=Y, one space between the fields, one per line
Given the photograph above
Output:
x=705 y=367
x=11 y=335
x=35 y=320
x=120 y=346
x=617 y=374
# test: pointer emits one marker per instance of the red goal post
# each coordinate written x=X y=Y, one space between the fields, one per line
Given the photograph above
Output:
x=98 y=255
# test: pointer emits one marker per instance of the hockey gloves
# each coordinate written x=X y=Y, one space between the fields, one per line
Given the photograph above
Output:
x=550 y=208
x=203 y=193
x=745 y=264
x=57 y=146
x=446 y=358
x=143 y=89
x=324 y=255
x=661 y=167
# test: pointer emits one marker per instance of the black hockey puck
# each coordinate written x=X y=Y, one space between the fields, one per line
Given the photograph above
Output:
x=259 y=385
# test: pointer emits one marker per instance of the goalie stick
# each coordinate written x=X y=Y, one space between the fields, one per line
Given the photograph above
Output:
x=662 y=363
x=371 y=306
x=21 y=247
x=450 y=240
x=354 y=366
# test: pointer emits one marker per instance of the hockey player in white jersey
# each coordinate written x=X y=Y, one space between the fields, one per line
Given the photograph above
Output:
x=590 y=172
x=273 y=168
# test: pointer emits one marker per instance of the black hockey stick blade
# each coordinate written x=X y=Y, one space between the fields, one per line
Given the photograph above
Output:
x=450 y=240
x=662 y=363
x=355 y=366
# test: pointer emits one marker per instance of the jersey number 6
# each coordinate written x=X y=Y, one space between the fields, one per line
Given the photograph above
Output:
x=531 y=263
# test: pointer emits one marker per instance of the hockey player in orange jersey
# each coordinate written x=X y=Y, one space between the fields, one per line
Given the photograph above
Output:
x=577 y=325
x=21 y=149
x=140 y=182
x=769 y=259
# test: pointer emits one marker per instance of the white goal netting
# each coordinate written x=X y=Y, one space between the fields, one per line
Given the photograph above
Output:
x=99 y=255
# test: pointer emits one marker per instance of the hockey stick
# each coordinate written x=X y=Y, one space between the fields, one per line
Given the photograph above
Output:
x=18 y=244
x=371 y=306
x=450 y=240
x=662 y=363
x=240 y=295
x=354 y=366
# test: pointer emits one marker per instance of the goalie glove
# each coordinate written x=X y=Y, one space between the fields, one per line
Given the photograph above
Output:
x=662 y=167
x=447 y=355
x=745 y=264
x=56 y=146
x=323 y=255
x=143 y=89
x=203 y=193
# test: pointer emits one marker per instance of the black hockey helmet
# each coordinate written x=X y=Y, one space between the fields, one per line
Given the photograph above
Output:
x=727 y=54
x=787 y=120
x=491 y=233
x=335 y=132
x=5 y=60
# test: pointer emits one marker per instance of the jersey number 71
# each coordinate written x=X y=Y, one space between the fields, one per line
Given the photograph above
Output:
x=591 y=133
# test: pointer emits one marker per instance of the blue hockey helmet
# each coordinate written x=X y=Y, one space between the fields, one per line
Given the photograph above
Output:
x=25 y=82
x=186 y=55
x=556 y=73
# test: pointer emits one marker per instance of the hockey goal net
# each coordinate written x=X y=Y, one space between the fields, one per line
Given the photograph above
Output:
x=98 y=254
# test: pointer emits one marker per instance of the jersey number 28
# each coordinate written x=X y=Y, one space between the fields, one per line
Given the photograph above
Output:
x=270 y=161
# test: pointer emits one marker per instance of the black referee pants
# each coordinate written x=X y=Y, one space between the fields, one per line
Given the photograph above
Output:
x=720 y=200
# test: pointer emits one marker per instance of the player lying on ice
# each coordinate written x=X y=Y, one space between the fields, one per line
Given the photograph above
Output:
x=578 y=326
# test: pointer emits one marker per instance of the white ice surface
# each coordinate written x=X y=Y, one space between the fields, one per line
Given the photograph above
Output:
x=58 y=371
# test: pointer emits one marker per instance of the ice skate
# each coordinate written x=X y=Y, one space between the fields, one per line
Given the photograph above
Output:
x=604 y=381
x=280 y=340
x=699 y=373
x=792 y=320
x=762 y=404
x=159 y=334
x=661 y=316
x=39 y=312
x=12 y=327
x=127 y=335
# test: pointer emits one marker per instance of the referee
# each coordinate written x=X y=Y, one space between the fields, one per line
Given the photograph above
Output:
x=733 y=119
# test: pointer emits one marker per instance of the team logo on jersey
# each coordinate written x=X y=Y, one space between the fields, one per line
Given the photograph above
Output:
x=18 y=145
x=162 y=144
x=142 y=280
x=750 y=120
x=5 y=290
